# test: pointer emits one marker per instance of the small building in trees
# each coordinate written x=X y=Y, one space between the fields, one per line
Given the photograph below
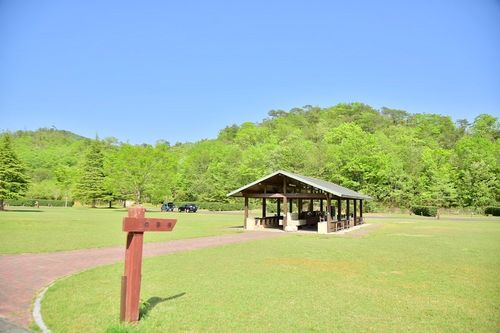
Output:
x=291 y=202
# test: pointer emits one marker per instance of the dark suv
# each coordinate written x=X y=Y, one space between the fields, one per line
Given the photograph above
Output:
x=188 y=208
x=168 y=207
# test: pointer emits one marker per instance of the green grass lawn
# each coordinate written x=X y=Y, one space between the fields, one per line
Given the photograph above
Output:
x=408 y=275
x=58 y=229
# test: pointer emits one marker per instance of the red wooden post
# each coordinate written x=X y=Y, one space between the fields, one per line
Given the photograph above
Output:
x=133 y=265
x=136 y=224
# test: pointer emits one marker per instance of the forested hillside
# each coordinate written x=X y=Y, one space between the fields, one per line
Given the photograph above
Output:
x=398 y=158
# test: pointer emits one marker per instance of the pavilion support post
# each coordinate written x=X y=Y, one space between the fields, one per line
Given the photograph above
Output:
x=321 y=205
x=285 y=216
x=299 y=206
x=339 y=209
x=286 y=227
x=347 y=212
x=361 y=211
x=355 y=210
x=278 y=207
x=245 y=224
x=329 y=208
x=311 y=205
x=324 y=226
x=264 y=208
x=290 y=206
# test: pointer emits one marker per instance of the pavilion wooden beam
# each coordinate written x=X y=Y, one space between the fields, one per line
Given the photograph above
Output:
x=288 y=195
x=264 y=208
x=360 y=208
x=278 y=208
x=306 y=195
x=246 y=212
x=265 y=195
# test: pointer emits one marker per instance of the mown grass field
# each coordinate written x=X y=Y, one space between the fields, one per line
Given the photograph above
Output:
x=412 y=275
x=59 y=229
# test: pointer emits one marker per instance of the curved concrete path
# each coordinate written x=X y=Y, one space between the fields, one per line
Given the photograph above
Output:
x=22 y=275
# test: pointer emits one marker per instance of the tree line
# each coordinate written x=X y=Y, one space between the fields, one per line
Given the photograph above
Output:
x=399 y=158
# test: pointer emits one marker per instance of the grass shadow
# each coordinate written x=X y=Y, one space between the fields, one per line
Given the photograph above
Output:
x=148 y=306
x=24 y=210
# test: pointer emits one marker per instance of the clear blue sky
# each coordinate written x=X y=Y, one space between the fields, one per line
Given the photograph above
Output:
x=183 y=70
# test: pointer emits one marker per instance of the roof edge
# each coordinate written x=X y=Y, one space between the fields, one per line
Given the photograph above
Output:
x=306 y=181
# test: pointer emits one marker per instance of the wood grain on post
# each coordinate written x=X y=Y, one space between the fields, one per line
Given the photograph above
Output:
x=135 y=225
x=133 y=266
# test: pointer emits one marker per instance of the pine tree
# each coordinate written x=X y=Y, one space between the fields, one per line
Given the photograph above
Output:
x=90 y=187
x=13 y=179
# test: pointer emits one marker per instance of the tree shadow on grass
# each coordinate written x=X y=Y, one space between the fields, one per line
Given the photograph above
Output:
x=24 y=210
x=147 y=306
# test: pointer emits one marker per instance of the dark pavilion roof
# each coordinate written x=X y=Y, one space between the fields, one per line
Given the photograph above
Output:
x=323 y=185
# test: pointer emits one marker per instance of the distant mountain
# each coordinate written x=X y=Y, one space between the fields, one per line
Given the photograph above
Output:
x=44 y=152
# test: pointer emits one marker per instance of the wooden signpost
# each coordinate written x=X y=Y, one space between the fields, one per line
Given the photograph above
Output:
x=135 y=225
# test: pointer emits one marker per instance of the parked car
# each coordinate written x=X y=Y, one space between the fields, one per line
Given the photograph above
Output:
x=188 y=208
x=168 y=207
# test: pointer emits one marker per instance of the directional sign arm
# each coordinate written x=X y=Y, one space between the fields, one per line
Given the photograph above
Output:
x=138 y=224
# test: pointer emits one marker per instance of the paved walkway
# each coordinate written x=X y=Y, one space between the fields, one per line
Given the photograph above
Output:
x=6 y=327
x=21 y=276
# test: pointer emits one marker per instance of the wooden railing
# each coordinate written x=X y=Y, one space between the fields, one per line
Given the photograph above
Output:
x=344 y=224
x=267 y=222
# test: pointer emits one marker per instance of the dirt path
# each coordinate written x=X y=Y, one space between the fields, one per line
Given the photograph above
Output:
x=21 y=276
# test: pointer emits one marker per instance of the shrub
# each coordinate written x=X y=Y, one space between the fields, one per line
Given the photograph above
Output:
x=41 y=202
x=424 y=210
x=215 y=206
x=221 y=206
x=495 y=211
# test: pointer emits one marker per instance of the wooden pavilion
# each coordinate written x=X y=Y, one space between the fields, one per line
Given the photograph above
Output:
x=328 y=205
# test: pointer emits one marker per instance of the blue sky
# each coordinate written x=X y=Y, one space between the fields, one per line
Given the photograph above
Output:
x=182 y=70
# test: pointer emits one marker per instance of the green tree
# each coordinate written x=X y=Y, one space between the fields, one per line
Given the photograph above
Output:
x=435 y=130
x=486 y=126
x=136 y=171
x=397 y=117
x=65 y=177
x=476 y=162
x=434 y=184
x=90 y=186
x=13 y=179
